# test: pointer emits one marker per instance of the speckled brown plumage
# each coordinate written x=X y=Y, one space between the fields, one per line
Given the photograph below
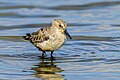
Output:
x=50 y=38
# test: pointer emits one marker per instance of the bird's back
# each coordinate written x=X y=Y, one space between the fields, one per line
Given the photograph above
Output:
x=38 y=37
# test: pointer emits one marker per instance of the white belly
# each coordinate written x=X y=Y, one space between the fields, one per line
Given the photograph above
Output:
x=53 y=43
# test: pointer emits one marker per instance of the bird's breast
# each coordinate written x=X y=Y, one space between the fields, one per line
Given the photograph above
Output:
x=58 y=41
x=54 y=42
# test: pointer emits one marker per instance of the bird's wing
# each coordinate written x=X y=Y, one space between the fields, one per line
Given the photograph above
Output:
x=39 y=36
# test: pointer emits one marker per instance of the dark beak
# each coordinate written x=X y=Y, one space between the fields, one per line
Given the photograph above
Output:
x=66 y=32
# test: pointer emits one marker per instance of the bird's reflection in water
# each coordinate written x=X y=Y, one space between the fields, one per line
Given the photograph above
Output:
x=47 y=70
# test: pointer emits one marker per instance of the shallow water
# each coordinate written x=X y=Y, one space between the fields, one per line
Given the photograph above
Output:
x=92 y=54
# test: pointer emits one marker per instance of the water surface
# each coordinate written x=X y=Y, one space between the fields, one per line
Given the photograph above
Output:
x=92 y=54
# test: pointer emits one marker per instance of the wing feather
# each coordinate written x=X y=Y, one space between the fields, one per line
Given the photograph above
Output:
x=39 y=36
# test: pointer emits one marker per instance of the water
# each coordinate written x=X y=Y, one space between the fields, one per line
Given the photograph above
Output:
x=92 y=54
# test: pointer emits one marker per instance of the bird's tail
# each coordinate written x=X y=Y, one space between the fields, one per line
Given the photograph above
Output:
x=27 y=37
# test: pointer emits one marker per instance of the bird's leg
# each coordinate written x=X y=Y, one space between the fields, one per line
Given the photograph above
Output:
x=51 y=54
x=43 y=54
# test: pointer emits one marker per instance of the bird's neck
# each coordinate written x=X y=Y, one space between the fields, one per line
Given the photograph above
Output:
x=55 y=29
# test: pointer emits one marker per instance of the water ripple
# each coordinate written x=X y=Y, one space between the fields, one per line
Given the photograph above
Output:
x=93 y=53
x=85 y=6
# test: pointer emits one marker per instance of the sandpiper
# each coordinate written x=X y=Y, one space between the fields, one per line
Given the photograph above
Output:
x=50 y=38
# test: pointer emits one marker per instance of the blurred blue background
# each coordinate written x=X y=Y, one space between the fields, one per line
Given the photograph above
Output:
x=92 y=54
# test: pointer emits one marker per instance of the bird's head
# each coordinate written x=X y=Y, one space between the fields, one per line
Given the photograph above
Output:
x=61 y=25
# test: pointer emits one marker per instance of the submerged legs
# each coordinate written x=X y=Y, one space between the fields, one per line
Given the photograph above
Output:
x=43 y=52
x=52 y=54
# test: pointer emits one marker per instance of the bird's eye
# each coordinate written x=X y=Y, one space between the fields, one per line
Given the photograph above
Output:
x=60 y=25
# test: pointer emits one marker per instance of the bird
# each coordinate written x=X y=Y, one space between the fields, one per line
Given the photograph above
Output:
x=49 y=39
